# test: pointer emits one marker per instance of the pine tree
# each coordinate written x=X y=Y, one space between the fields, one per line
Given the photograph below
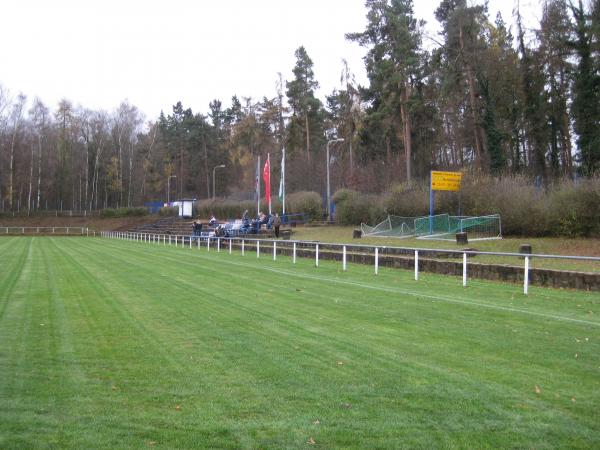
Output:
x=393 y=64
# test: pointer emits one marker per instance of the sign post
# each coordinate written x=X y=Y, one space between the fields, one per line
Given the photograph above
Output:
x=441 y=181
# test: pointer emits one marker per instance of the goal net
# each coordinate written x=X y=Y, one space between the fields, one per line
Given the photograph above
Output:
x=440 y=227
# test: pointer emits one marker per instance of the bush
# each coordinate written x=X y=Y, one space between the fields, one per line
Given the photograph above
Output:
x=575 y=209
x=523 y=208
x=307 y=202
x=407 y=200
x=354 y=208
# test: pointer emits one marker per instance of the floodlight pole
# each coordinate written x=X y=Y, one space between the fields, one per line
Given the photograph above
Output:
x=328 y=185
x=221 y=166
x=169 y=187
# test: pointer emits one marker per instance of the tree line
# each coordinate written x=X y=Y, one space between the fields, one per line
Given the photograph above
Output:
x=483 y=98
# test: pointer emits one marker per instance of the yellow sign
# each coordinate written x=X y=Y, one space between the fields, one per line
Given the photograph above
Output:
x=445 y=181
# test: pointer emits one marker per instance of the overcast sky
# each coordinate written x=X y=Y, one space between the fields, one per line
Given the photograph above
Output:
x=153 y=53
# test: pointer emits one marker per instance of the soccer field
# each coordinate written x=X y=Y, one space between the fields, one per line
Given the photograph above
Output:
x=118 y=344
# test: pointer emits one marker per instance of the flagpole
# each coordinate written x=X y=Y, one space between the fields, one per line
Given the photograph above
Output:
x=258 y=186
x=283 y=180
x=269 y=162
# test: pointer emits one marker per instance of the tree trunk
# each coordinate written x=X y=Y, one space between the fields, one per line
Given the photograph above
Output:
x=406 y=129
x=307 y=127
x=131 y=146
x=39 y=180
x=206 y=166
x=12 y=166
x=87 y=174
x=30 y=179
x=473 y=103
x=567 y=159
x=147 y=163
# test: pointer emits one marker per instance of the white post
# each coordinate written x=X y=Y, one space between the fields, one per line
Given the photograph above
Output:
x=242 y=247
x=176 y=239
x=258 y=249
x=317 y=255
x=464 y=269
x=376 y=260
x=164 y=239
x=294 y=254
x=208 y=244
x=169 y=239
x=190 y=243
x=218 y=245
x=230 y=246
x=344 y=258
x=526 y=277
x=274 y=251
x=198 y=243
x=416 y=265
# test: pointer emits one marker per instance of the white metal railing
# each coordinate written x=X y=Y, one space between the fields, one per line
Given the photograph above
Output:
x=75 y=231
x=315 y=249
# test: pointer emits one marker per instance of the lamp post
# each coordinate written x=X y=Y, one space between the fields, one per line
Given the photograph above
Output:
x=169 y=187
x=328 y=186
x=220 y=166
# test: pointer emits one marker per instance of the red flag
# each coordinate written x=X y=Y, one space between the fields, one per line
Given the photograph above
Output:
x=267 y=180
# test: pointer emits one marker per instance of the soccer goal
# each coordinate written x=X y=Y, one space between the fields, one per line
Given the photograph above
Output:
x=392 y=226
x=478 y=228
x=439 y=227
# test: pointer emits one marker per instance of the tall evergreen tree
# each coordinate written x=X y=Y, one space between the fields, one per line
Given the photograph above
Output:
x=586 y=89
x=306 y=123
x=393 y=65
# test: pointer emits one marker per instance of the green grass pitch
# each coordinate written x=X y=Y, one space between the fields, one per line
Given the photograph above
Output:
x=116 y=344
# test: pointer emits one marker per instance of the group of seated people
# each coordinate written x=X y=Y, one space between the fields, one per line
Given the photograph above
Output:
x=248 y=226
x=254 y=225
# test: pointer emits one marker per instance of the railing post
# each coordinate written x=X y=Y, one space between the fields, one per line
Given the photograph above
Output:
x=218 y=245
x=416 y=265
x=274 y=250
x=190 y=243
x=257 y=248
x=376 y=260
x=526 y=277
x=208 y=244
x=464 y=269
x=344 y=258
x=242 y=247
x=317 y=255
x=294 y=254
x=230 y=246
